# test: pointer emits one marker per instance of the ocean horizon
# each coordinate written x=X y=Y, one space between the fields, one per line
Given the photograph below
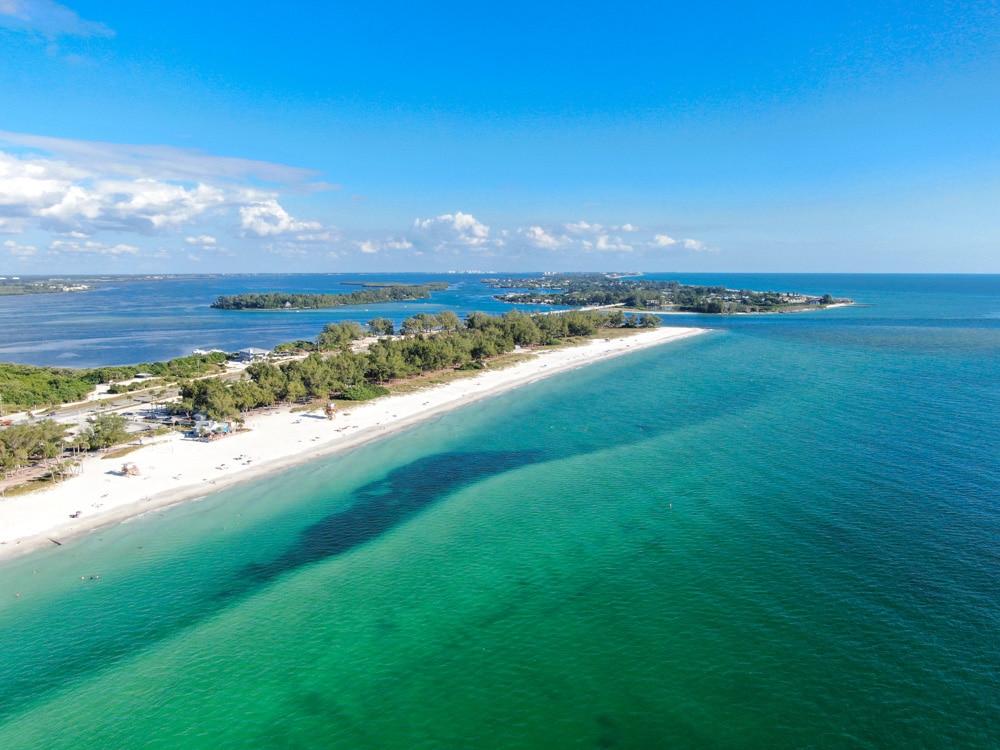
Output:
x=783 y=533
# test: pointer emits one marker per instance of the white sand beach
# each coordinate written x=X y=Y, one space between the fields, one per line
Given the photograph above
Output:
x=174 y=469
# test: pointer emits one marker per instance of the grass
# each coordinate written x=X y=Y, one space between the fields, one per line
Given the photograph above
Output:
x=28 y=486
x=32 y=485
x=121 y=452
x=422 y=382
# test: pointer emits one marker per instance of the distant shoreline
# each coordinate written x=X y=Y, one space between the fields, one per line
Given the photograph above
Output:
x=175 y=470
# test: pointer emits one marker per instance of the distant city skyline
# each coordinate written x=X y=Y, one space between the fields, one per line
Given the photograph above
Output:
x=386 y=136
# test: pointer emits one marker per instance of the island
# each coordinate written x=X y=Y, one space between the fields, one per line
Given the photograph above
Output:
x=371 y=294
x=609 y=289
x=38 y=285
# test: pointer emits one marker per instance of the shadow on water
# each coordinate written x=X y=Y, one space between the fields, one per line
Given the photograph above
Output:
x=379 y=506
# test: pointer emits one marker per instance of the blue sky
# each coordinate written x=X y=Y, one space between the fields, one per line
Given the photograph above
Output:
x=180 y=137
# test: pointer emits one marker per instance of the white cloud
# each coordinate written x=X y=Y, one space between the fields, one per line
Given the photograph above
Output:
x=330 y=235
x=284 y=249
x=697 y=245
x=458 y=230
x=663 y=240
x=606 y=243
x=539 y=238
x=582 y=227
x=78 y=189
x=268 y=218
x=371 y=247
x=18 y=250
x=579 y=237
x=210 y=244
x=93 y=248
x=48 y=18
x=202 y=239
x=10 y=226
x=75 y=201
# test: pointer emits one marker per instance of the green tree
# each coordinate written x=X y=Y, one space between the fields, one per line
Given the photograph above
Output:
x=381 y=327
x=294 y=390
x=419 y=323
x=339 y=335
x=106 y=430
x=449 y=321
x=210 y=396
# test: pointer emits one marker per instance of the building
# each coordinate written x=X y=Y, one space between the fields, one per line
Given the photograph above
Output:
x=252 y=354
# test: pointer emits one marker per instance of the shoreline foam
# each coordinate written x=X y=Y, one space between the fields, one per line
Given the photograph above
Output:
x=176 y=470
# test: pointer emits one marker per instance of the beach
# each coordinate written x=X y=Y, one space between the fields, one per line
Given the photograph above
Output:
x=176 y=469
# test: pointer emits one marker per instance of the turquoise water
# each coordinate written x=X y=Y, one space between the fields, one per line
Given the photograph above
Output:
x=784 y=533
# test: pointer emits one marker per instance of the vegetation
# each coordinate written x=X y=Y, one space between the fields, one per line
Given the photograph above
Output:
x=582 y=290
x=40 y=286
x=372 y=294
x=106 y=430
x=363 y=392
x=295 y=347
x=339 y=335
x=431 y=344
x=27 y=386
x=30 y=442
x=381 y=327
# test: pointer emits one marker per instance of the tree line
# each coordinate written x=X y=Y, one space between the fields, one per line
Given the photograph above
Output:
x=44 y=441
x=301 y=301
x=430 y=343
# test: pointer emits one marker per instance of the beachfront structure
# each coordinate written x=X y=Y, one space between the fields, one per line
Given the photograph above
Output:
x=252 y=354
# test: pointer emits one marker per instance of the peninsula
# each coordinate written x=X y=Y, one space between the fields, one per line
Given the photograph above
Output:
x=174 y=468
x=608 y=289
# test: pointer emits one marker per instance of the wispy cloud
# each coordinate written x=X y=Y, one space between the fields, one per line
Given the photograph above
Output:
x=18 y=250
x=372 y=247
x=463 y=233
x=93 y=248
x=48 y=19
x=138 y=161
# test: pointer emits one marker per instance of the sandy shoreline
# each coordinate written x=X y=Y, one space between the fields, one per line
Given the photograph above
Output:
x=175 y=469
